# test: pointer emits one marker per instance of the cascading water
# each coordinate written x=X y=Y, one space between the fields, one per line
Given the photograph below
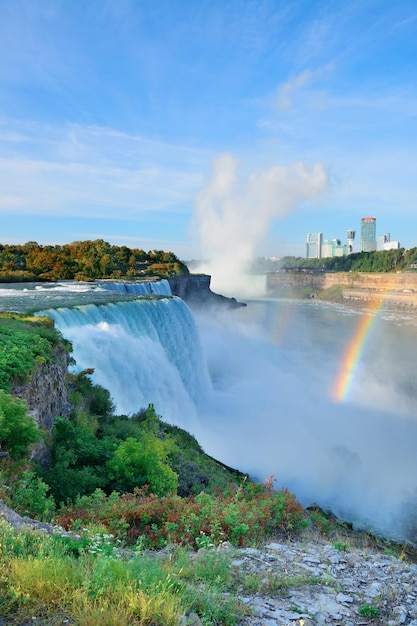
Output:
x=157 y=287
x=145 y=351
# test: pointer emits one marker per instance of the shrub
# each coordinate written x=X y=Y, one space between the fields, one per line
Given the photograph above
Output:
x=242 y=516
x=29 y=497
x=136 y=463
x=369 y=611
x=24 y=343
x=18 y=429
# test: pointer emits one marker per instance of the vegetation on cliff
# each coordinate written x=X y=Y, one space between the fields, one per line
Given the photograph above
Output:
x=25 y=342
x=380 y=261
x=84 y=260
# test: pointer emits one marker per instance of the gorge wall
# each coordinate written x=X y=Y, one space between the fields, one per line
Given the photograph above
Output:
x=398 y=288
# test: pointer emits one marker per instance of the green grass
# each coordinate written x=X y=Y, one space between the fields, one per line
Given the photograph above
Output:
x=41 y=577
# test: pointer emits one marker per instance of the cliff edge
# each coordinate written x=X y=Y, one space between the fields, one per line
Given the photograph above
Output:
x=195 y=290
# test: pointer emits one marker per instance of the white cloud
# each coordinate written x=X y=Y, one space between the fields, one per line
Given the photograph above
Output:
x=93 y=172
x=288 y=91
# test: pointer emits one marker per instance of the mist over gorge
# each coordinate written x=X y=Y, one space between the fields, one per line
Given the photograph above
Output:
x=234 y=211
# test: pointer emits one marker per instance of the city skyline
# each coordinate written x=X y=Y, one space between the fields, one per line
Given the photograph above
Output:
x=203 y=127
x=368 y=240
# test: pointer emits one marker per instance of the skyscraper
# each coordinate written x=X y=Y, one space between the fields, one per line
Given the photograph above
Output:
x=350 y=233
x=313 y=245
x=368 y=234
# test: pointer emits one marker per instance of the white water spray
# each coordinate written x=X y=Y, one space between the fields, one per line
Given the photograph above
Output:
x=233 y=213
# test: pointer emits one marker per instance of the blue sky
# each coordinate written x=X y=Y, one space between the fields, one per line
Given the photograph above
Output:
x=180 y=124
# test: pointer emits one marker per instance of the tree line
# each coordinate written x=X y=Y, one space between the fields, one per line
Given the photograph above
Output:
x=381 y=261
x=84 y=260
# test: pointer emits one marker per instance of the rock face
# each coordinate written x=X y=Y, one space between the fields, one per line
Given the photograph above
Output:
x=46 y=392
x=315 y=583
x=46 y=395
x=195 y=290
x=398 y=288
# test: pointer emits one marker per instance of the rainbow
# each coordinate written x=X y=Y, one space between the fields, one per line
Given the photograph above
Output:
x=354 y=351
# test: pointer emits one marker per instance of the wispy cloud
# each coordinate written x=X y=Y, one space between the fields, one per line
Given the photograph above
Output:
x=289 y=90
x=94 y=171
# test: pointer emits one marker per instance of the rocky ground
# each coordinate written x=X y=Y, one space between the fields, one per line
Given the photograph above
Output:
x=327 y=584
x=310 y=580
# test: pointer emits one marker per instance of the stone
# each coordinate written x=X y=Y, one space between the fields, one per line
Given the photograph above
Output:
x=341 y=597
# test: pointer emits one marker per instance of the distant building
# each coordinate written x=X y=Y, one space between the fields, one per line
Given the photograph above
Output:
x=368 y=234
x=350 y=235
x=392 y=245
x=385 y=243
x=313 y=245
x=333 y=247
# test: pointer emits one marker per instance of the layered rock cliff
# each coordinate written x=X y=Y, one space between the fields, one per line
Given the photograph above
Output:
x=195 y=290
x=46 y=392
x=399 y=288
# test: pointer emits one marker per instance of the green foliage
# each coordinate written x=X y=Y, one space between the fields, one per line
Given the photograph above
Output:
x=78 y=460
x=342 y=546
x=197 y=471
x=136 y=463
x=18 y=429
x=101 y=450
x=240 y=515
x=84 y=260
x=379 y=261
x=24 y=344
x=323 y=523
x=92 y=404
x=28 y=495
x=369 y=611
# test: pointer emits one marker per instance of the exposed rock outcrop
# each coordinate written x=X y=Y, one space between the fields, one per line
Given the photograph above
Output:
x=396 y=288
x=46 y=392
x=46 y=395
x=325 y=584
x=19 y=522
x=195 y=290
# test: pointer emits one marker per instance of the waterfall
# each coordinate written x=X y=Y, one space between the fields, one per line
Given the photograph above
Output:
x=156 y=287
x=143 y=351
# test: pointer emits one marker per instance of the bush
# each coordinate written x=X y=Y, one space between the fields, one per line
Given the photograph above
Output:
x=136 y=463
x=240 y=515
x=24 y=343
x=29 y=497
x=18 y=429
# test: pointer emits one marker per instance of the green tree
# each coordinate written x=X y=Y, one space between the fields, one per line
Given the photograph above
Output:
x=18 y=429
x=143 y=462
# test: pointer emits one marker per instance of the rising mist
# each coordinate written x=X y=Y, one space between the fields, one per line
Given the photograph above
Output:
x=234 y=212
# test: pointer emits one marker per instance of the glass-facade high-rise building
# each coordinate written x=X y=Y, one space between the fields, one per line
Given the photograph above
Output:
x=313 y=245
x=368 y=234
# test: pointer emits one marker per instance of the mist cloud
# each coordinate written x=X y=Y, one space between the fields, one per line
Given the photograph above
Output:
x=234 y=212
